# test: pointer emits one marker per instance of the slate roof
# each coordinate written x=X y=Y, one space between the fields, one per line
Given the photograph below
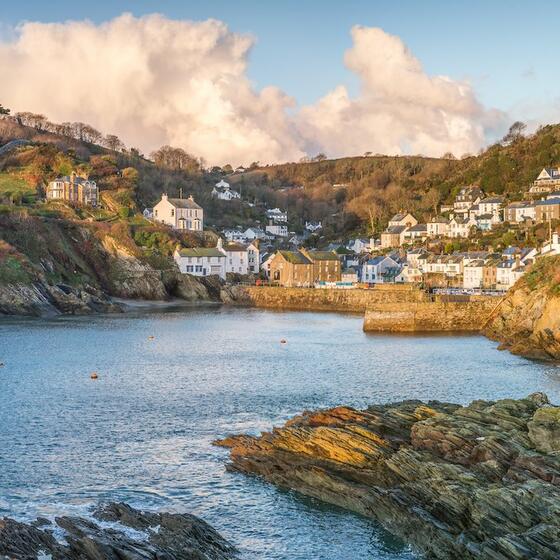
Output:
x=295 y=257
x=322 y=256
x=201 y=252
x=184 y=203
x=548 y=202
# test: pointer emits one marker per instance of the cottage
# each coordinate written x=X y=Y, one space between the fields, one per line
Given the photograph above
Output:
x=148 y=213
x=403 y=219
x=74 y=189
x=201 y=262
x=467 y=197
x=519 y=212
x=461 y=227
x=473 y=273
x=277 y=230
x=223 y=191
x=266 y=259
x=438 y=227
x=381 y=269
x=313 y=226
x=253 y=233
x=485 y=222
x=419 y=231
x=277 y=215
x=490 y=205
x=179 y=213
x=349 y=276
x=393 y=236
x=508 y=272
x=360 y=245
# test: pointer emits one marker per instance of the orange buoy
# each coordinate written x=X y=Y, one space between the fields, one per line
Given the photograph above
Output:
x=283 y=341
x=94 y=375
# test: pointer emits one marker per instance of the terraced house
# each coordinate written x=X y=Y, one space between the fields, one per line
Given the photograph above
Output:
x=201 y=261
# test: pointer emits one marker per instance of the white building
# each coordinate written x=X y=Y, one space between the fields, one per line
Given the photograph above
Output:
x=491 y=205
x=360 y=245
x=223 y=191
x=313 y=226
x=277 y=215
x=518 y=212
x=148 y=213
x=485 y=222
x=253 y=233
x=551 y=247
x=438 y=227
x=473 y=274
x=466 y=198
x=508 y=273
x=278 y=230
x=240 y=259
x=461 y=227
x=547 y=180
x=265 y=264
x=179 y=213
x=201 y=262
x=403 y=219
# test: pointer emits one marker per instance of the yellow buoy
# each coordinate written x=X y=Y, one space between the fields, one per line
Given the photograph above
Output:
x=94 y=375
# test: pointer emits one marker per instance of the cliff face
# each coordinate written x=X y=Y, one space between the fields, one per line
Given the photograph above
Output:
x=479 y=482
x=54 y=266
x=528 y=320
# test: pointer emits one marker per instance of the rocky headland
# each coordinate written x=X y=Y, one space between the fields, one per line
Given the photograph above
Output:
x=528 y=320
x=116 y=532
x=473 y=482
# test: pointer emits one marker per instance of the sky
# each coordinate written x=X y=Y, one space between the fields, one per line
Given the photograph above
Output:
x=304 y=72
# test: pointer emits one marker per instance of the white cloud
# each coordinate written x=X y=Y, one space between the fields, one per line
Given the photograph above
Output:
x=155 y=81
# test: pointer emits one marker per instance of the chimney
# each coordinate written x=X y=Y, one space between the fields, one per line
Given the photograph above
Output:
x=191 y=197
x=164 y=196
x=180 y=193
x=220 y=244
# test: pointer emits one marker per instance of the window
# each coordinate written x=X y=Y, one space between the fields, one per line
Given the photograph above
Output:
x=198 y=268
x=189 y=268
x=172 y=212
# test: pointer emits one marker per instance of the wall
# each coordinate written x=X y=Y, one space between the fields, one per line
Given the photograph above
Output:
x=430 y=316
x=311 y=299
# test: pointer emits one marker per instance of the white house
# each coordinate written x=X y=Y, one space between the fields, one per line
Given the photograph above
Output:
x=508 y=273
x=277 y=230
x=485 y=222
x=240 y=258
x=419 y=231
x=473 y=274
x=201 y=261
x=551 y=247
x=518 y=212
x=360 y=245
x=179 y=213
x=438 y=227
x=253 y=233
x=148 y=213
x=234 y=235
x=403 y=219
x=461 y=227
x=223 y=191
x=547 y=180
x=490 y=205
x=381 y=269
x=466 y=198
x=265 y=264
x=313 y=226
x=277 y=215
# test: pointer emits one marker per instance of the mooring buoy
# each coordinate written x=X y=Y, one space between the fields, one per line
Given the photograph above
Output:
x=94 y=375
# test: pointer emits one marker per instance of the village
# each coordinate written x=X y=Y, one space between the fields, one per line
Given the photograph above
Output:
x=403 y=253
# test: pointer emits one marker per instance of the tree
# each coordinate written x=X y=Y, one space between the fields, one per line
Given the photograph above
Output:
x=113 y=142
x=448 y=155
x=169 y=157
x=514 y=133
x=320 y=157
x=431 y=200
x=4 y=110
x=367 y=154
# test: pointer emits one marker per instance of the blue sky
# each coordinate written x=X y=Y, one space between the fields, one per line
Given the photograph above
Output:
x=507 y=49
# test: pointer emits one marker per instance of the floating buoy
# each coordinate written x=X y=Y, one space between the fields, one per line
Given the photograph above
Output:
x=94 y=375
x=1 y=364
x=283 y=341
x=151 y=337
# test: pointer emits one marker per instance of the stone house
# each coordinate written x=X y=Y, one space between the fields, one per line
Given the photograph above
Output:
x=74 y=189
x=326 y=265
x=548 y=209
x=403 y=219
x=393 y=236
x=179 y=213
x=291 y=269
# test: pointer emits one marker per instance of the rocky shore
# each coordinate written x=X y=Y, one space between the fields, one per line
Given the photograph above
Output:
x=116 y=532
x=473 y=482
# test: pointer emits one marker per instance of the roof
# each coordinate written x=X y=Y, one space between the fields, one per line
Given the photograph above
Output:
x=322 y=256
x=492 y=200
x=521 y=204
x=294 y=257
x=485 y=217
x=395 y=229
x=418 y=227
x=184 y=203
x=548 y=202
x=201 y=252
x=400 y=216
x=235 y=247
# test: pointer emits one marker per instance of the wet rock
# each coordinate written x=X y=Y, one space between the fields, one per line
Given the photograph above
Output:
x=470 y=482
x=116 y=532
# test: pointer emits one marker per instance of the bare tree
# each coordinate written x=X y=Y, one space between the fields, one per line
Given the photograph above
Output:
x=515 y=132
x=113 y=142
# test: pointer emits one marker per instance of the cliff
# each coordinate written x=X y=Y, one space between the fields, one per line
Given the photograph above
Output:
x=528 y=320
x=50 y=266
x=479 y=482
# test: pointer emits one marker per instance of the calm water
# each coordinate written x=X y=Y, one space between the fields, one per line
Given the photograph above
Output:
x=143 y=431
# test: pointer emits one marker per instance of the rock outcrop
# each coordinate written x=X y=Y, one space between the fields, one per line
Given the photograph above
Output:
x=528 y=321
x=116 y=532
x=472 y=482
